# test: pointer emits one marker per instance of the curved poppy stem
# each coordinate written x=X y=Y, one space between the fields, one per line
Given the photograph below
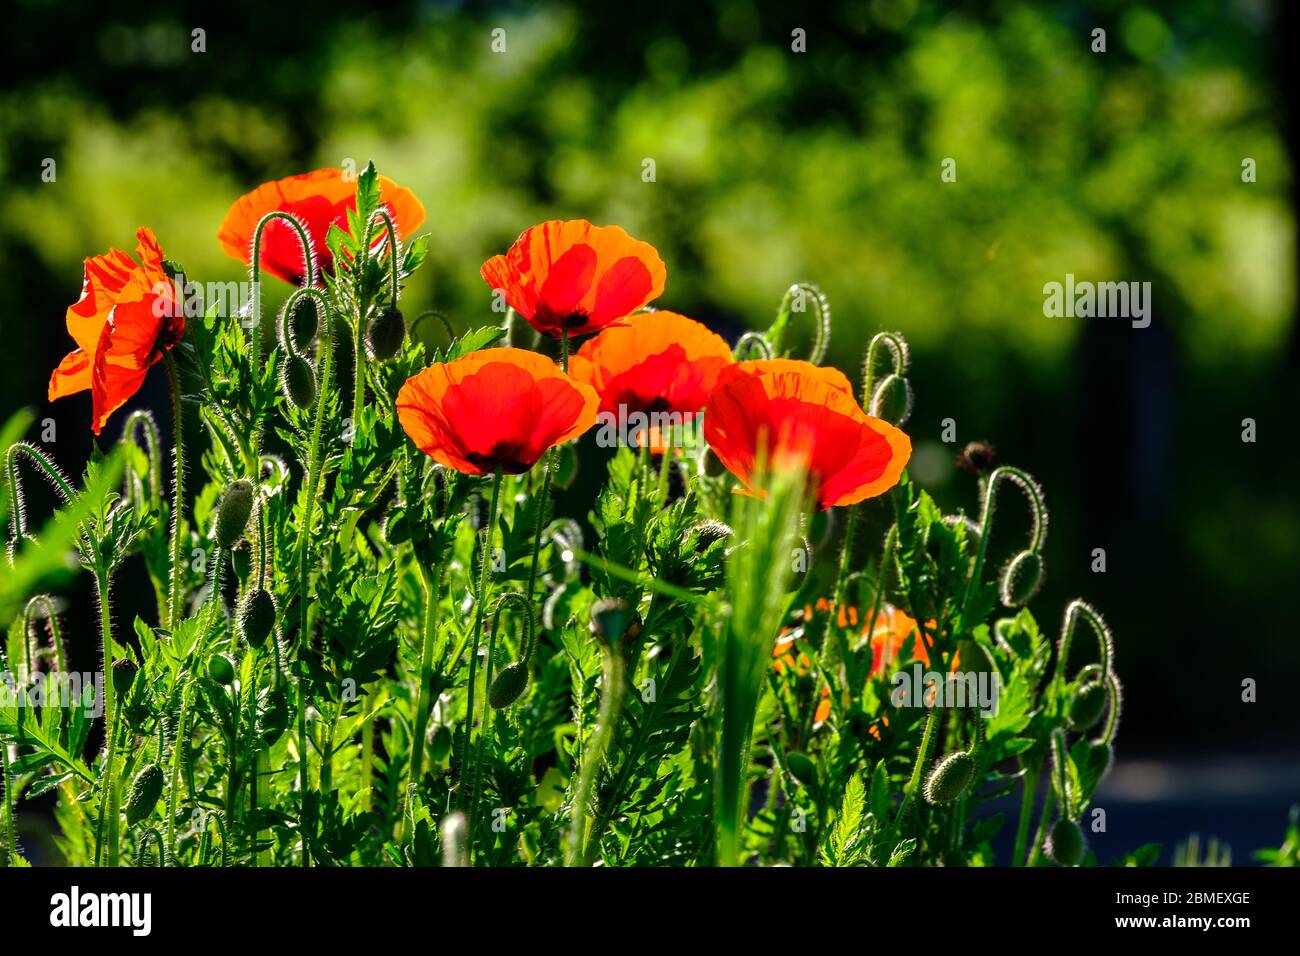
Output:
x=821 y=326
x=434 y=314
x=896 y=345
x=56 y=633
x=1038 y=516
x=255 y=270
x=178 y=493
x=312 y=483
x=485 y=564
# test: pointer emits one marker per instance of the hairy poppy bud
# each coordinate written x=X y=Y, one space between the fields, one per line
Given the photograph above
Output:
x=892 y=400
x=1065 y=843
x=1021 y=579
x=304 y=323
x=385 y=333
x=233 y=511
x=124 y=671
x=610 y=618
x=508 y=685
x=977 y=457
x=241 y=559
x=708 y=532
x=802 y=768
x=145 y=791
x=1086 y=707
x=298 y=381
x=950 y=777
x=256 y=617
x=272 y=716
x=221 y=670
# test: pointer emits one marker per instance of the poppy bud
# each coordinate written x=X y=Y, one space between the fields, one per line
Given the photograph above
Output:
x=950 y=777
x=272 y=717
x=610 y=618
x=977 y=457
x=124 y=671
x=256 y=617
x=241 y=559
x=1101 y=757
x=440 y=746
x=892 y=400
x=233 y=511
x=1021 y=579
x=145 y=791
x=1065 y=843
x=973 y=658
x=298 y=381
x=802 y=768
x=385 y=333
x=1086 y=707
x=221 y=670
x=508 y=685
x=707 y=532
x=304 y=323
x=712 y=464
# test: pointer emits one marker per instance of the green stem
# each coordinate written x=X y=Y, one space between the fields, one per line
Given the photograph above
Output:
x=8 y=836
x=255 y=271
x=178 y=494
x=313 y=477
x=922 y=759
x=485 y=565
x=611 y=705
x=179 y=746
x=1029 y=789
x=432 y=598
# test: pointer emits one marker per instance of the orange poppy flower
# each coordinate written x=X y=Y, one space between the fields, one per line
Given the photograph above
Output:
x=823 y=708
x=826 y=373
x=317 y=199
x=575 y=277
x=802 y=420
x=892 y=628
x=127 y=315
x=496 y=408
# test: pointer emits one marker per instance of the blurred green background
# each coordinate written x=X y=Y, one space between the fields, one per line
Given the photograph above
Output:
x=773 y=166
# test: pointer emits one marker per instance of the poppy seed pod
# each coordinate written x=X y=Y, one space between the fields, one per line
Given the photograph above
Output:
x=385 y=333
x=221 y=670
x=233 y=511
x=508 y=685
x=304 y=322
x=950 y=777
x=1021 y=579
x=892 y=400
x=977 y=457
x=610 y=619
x=256 y=617
x=145 y=791
x=1087 y=706
x=802 y=768
x=298 y=381
x=241 y=559
x=1065 y=843
x=124 y=671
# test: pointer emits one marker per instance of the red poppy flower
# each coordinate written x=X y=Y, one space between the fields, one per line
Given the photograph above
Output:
x=126 y=316
x=654 y=362
x=575 y=277
x=802 y=420
x=318 y=200
x=496 y=408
